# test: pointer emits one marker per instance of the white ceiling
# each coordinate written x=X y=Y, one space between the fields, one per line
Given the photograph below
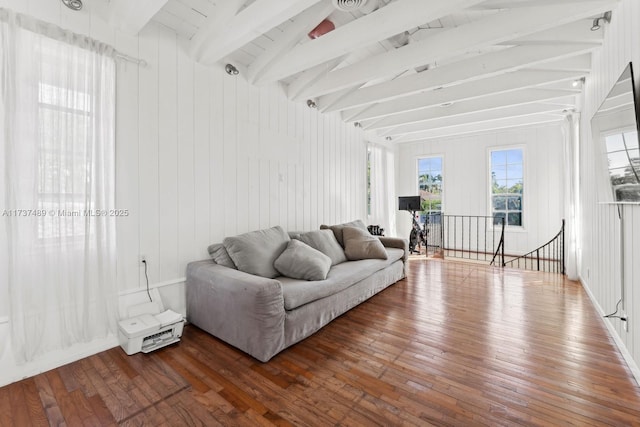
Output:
x=408 y=70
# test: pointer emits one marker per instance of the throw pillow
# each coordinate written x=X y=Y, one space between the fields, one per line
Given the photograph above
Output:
x=256 y=251
x=359 y=244
x=301 y=261
x=220 y=255
x=337 y=229
x=325 y=242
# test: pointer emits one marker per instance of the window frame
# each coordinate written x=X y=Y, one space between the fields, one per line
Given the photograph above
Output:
x=45 y=197
x=417 y=178
x=523 y=210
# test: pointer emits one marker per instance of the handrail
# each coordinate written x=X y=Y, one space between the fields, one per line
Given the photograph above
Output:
x=462 y=236
x=556 y=244
x=500 y=247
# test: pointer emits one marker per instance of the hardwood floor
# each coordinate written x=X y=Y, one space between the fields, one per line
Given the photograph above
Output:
x=453 y=344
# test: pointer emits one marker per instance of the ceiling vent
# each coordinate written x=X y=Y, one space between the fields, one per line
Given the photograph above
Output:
x=348 y=5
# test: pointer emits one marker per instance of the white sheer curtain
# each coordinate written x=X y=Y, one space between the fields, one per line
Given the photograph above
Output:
x=383 y=189
x=57 y=97
x=571 y=139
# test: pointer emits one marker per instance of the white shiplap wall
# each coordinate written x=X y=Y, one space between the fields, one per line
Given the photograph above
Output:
x=466 y=178
x=598 y=237
x=201 y=155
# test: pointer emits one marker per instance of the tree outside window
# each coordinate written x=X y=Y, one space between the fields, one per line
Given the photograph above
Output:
x=430 y=185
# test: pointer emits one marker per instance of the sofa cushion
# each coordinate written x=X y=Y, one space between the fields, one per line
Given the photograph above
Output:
x=360 y=244
x=325 y=242
x=299 y=292
x=256 y=251
x=337 y=229
x=220 y=255
x=301 y=261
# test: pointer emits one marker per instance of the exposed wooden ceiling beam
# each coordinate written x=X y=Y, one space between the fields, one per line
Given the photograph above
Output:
x=131 y=16
x=580 y=63
x=214 y=26
x=256 y=19
x=475 y=89
x=574 y=32
x=493 y=29
x=466 y=127
x=511 y=4
x=303 y=24
x=476 y=117
x=309 y=76
x=381 y=24
x=470 y=69
x=524 y=96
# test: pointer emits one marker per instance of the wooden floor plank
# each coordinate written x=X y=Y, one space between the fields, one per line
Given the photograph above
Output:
x=454 y=344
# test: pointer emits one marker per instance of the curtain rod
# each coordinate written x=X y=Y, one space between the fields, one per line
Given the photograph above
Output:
x=128 y=58
x=58 y=33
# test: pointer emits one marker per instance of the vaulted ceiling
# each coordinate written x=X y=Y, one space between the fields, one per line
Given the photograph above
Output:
x=404 y=70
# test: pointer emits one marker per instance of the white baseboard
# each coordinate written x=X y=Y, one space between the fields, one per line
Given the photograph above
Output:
x=11 y=372
x=633 y=366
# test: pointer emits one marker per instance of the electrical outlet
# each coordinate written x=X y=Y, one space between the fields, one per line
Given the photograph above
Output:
x=142 y=259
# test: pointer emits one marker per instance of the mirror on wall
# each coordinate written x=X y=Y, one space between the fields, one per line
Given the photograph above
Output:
x=615 y=126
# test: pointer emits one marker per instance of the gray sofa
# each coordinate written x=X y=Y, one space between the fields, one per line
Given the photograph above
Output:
x=264 y=315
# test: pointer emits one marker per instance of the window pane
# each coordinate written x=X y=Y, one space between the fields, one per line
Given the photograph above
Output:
x=514 y=203
x=514 y=156
x=628 y=193
x=498 y=157
x=500 y=187
x=499 y=203
x=498 y=217
x=631 y=139
x=614 y=143
x=499 y=172
x=618 y=159
x=514 y=218
x=514 y=186
x=514 y=171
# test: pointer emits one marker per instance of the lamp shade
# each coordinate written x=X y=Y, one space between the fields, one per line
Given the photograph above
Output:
x=321 y=29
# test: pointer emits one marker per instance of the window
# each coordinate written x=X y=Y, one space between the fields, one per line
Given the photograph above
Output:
x=430 y=186
x=64 y=166
x=623 y=157
x=507 y=186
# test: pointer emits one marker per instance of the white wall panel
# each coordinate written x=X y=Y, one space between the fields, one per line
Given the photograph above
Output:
x=168 y=157
x=257 y=160
x=599 y=264
x=202 y=155
x=466 y=179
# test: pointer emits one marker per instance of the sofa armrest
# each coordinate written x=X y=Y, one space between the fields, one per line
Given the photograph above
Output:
x=398 y=243
x=244 y=310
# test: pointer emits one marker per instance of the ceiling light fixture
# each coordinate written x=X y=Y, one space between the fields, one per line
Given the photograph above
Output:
x=73 y=4
x=231 y=70
x=311 y=103
x=596 y=22
x=357 y=124
x=578 y=82
x=388 y=138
